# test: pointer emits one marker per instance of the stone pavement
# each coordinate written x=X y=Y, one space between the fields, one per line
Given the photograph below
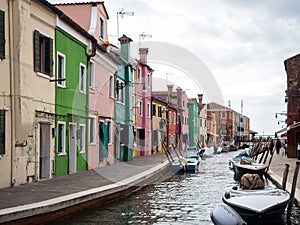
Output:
x=87 y=184
x=276 y=171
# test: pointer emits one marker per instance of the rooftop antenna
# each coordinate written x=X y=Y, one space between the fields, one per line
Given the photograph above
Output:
x=143 y=36
x=121 y=13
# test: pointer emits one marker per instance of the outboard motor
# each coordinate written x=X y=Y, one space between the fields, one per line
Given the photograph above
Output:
x=225 y=215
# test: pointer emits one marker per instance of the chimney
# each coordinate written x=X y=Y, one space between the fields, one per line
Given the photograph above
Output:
x=143 y=55
x=125 y=47
x=170 y=88
x=200 y=98
x=179 y=97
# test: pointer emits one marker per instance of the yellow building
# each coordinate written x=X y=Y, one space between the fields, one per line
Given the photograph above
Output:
x=159 y=124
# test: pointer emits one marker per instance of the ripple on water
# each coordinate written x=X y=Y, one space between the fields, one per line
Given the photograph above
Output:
x=183 y=199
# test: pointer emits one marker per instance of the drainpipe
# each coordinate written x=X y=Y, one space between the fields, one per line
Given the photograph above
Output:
x=12 y=92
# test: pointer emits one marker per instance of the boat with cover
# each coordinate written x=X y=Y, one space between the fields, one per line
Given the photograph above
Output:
x=225 y=215
x=258 y=206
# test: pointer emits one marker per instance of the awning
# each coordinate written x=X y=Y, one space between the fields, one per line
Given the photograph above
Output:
x=282 y=130
x=212 y=134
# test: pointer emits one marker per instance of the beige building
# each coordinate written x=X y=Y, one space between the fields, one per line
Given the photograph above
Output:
x=28 y=93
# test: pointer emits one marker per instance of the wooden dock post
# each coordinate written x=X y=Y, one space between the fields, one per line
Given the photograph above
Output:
x=285 y=175
x=289 y=210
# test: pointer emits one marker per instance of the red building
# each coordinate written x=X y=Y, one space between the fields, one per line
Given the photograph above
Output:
x=292 y=67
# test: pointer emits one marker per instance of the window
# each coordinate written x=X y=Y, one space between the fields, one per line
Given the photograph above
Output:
x=111 y=86
x=153 y=110
x=109 y=127
x=101 y=28
x=92 y=130
x=141 y=137
x=223 y=115
x=174 y=118
x=92 y=74
x=2 y=34
x=159 y=111
x=2 y=132
x=141 y=108
x=61 y=69
x=139 y=75
x=61 y=137
x=43 y=54
x=170 y=117
x=149 y=80
x=82 y=78
x=200 y=122
x=120 y=85
x=148 y=110
x=82 y=138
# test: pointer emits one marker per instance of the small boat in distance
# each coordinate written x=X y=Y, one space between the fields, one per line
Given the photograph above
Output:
x=193 y=158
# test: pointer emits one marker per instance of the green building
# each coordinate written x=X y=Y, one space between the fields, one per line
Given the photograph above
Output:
x=124 y=135
x=193 y=122
x=73 y=49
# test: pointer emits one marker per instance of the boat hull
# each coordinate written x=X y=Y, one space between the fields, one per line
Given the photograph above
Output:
x=258 y=206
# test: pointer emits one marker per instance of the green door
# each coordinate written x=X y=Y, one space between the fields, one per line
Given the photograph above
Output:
x=103 y=143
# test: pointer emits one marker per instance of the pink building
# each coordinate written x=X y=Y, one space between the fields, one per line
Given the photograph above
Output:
x=93 y=17
x=143 y=84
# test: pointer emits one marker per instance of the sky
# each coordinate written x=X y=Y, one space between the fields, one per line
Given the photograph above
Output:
x=242 y=43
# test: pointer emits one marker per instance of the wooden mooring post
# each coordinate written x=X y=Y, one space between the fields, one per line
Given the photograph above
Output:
x=285 y=175
x=289 y=209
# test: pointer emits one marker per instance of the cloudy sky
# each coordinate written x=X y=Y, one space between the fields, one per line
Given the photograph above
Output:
x=243 y=44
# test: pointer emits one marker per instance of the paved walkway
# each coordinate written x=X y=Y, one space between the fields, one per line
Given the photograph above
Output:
x=87 y=184
x=276 y=171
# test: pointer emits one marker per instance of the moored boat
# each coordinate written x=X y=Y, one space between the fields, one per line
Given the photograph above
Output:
x=225 y=215
x=258 y=206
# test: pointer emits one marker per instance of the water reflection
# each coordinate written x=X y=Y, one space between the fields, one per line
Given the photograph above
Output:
x=181 y=199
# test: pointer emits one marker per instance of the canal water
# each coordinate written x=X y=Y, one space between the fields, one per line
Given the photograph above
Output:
x=185 y=199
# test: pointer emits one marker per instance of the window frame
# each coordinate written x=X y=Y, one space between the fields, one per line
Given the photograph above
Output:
x=2 y=35
x=109 y=135
x=42 y=54
x=139 y=73
x=63 y=151
x=140 y=108
x=61 y=83
x=82 y=138
x=82 y=78
x=92 y=131
x=3 y=131
x=148 y=110
x=111 y=86
x=101 y=29
x=92 y=74
x=120 y=91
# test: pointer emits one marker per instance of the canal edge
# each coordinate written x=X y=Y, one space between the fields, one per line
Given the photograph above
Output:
x=52 y=208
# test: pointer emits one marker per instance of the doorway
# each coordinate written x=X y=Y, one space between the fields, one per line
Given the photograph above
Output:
x=72 y=148
x=44 y=151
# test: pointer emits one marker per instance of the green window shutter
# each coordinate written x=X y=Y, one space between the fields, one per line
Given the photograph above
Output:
x=36 y=53
x=2 y=35
x=51 y=57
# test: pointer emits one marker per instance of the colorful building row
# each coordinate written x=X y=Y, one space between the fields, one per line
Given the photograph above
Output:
x=70 y=101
